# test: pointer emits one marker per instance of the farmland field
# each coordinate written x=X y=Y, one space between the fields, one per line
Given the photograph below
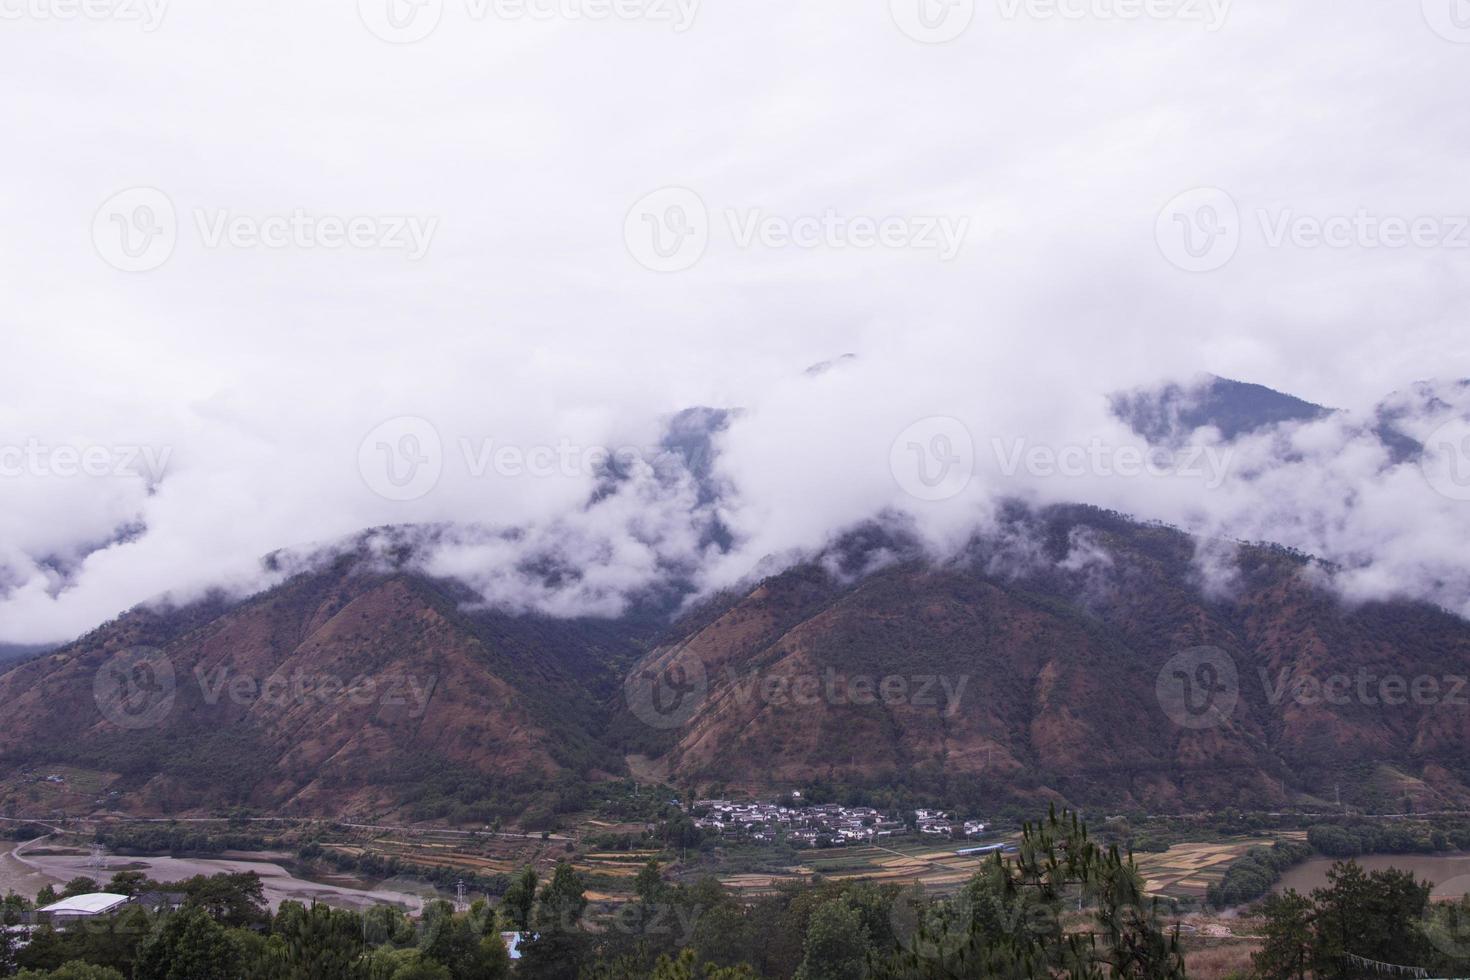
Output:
x=935 y=866
x=1188 y=870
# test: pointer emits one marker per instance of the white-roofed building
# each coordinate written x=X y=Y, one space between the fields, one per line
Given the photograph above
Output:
x=83 y=907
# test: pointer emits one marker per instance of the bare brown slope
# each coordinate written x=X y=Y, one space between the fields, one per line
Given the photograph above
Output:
x=338 y=693
x=1028 y=668
x=1059 y=668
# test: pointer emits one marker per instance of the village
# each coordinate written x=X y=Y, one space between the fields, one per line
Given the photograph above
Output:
x=824 y=825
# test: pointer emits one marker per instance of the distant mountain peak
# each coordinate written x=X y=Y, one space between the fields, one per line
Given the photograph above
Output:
x=823 y=367
x=1168 y=414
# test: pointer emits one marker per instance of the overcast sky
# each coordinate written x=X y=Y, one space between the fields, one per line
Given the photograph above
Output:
x=240 y=237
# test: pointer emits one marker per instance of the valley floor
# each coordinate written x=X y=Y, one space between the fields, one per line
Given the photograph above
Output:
x=16 y=875
x=280 y=885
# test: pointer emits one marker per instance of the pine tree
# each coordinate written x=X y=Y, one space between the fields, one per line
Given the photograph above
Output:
x=1286 y=953
x=520 y=900
x=1008 y=922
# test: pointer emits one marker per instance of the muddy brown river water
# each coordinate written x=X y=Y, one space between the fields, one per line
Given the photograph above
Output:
x=1449 y=872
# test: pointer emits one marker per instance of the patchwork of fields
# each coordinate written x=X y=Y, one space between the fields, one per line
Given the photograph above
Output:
x=1185 y=871
x=1188 y=870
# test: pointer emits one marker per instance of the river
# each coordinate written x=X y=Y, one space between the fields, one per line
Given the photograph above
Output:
x=1450 y=873
x=30 y=866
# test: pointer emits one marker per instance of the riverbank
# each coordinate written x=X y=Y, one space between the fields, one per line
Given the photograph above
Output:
x=28 y=867
x=22 y=875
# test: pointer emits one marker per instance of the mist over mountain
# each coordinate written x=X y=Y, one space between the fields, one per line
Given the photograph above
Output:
x=698 y=501
x=1055 y=617
x=1030 y=659
x=689 y=484
x=1170 y=414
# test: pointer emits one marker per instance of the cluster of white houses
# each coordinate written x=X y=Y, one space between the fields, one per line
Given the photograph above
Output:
x=937 y=823
x=825 y=825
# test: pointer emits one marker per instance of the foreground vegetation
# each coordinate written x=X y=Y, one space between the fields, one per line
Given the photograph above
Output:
x=1064 y=906
x=1011 y=919
x=1363 y=924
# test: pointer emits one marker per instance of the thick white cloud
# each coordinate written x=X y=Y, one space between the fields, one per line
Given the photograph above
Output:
x=529 y=323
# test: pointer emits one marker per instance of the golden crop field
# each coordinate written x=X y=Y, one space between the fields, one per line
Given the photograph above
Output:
x=1187 y=870
x=936 y=867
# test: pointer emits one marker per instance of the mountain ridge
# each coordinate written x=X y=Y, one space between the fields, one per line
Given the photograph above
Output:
x=1044 y=647
x=1049 y=674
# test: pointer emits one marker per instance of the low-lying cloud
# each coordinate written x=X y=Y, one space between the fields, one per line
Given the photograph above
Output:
x=163 y=428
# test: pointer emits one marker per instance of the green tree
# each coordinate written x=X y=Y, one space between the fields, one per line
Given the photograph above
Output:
x=649 y=885
x=12 y=912
x=704 y=915
x=1377 y=916
x=1007 y=924
x=874 y=903
x=7 y=952
x=563 y=901
x=405 y=964
x=79 y=885
x=47 y=949
x=188 y=945
x=72 y=971
x=837 y=944
x=422 y=969
x=1286 y=951
x=459 y=943
x=129 y=883
x=685 y=967
x=111 y=940
x=230 y=899
x=520 y=900
x=1448 y=931
x=557 y=945
x=387 y=924
x=316 y=943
